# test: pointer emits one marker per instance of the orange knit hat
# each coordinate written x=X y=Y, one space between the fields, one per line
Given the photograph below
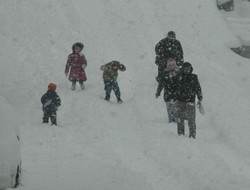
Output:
x=52 y=87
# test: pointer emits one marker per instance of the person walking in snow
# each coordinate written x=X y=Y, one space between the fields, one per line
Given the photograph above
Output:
x=50 y=101
x=77 y=64
x=166 y=83
x=186 y=87
x=165 y=49
x=110 y=74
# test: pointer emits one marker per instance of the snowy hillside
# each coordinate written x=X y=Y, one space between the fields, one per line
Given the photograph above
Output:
x=239 y=21
x=105 y=146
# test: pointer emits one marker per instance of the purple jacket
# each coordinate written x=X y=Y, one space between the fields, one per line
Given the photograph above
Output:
x=76 y=63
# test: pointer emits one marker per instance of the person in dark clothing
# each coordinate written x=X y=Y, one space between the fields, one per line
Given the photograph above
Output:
x=110 y=75
x=186 y=87
x=166 y=82
x=165 y=49
x=50 y=101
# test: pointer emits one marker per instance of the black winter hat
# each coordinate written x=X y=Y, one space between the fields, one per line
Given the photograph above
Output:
x=171 y=33
x=78 y=44
x=186 y=65
x=114 y=62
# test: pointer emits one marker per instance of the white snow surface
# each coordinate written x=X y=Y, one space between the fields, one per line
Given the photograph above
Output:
x=101 y=145
x=239 y=21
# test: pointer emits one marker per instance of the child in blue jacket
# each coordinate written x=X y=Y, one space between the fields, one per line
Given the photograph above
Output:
x=50 y=101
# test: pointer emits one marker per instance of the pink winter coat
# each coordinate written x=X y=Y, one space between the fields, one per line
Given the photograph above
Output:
x=76 y=63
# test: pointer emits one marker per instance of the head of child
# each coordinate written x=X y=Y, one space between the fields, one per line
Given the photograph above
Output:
x=77 y=47
x=52 y=87
x=115 y=64
x=171 y=65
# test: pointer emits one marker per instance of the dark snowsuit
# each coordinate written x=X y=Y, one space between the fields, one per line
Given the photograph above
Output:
x=166 y=49
x=50 y=101
x=185 y=88
x=110 y=74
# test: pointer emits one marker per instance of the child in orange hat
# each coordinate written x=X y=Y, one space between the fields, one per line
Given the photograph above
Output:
x=50 y=101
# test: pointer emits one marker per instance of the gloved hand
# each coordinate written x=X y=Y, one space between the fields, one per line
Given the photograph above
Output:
x=200 y=107
x=199 y=104
x=157 y=95
x=66 y=74
x=84 y=66
x=122 y=67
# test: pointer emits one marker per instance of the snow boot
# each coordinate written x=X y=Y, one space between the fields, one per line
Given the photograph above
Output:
x=82 y=86
x=53 y=119
x=119 y=101
x=73 y=87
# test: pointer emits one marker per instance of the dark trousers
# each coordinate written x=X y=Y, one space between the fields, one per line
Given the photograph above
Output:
x=74 y=82
x=171 y=109
x=52 y=117
x=110 y=85
x=186 y=110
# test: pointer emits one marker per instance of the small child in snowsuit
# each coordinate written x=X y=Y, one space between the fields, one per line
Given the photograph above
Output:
x=166 y=83
x=50 y=101
x=77 y=64
x=110 y=74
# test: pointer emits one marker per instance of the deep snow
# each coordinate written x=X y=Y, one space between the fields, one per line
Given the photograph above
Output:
x=100 y=145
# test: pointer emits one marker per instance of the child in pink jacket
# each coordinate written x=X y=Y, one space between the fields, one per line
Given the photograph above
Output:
x=76 y=65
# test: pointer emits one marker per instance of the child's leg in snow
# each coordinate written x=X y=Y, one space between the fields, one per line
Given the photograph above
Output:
x=53 y=118
x=45 y=117
x=107 y=88
x=73 y=87
x=81 y=84
x=117 y=90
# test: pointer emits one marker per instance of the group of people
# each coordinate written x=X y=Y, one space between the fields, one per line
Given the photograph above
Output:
x=180 y=85
x=75 y=71
x=175 y=76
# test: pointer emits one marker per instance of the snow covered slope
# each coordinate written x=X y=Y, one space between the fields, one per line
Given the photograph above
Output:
x=100 y=145
x=239 y=21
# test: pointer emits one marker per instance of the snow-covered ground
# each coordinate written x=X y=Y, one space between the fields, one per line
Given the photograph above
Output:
x=239 y=21
x=105 y=146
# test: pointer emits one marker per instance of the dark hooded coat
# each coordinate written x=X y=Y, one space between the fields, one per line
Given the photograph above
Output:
x=50 y=101
x=186 y=87
x=167 y=48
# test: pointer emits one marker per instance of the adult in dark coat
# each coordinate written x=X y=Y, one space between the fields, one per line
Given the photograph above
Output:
x=76 y=63
x=165 y=49
x=50 y=101
x=186 y=87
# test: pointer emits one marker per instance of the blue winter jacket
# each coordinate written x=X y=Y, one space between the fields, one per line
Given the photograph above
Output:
x=50 y=101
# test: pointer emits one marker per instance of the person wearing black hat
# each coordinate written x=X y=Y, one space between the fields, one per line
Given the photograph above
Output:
x=165 y=49
x=186 y=87
x=50 y=101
